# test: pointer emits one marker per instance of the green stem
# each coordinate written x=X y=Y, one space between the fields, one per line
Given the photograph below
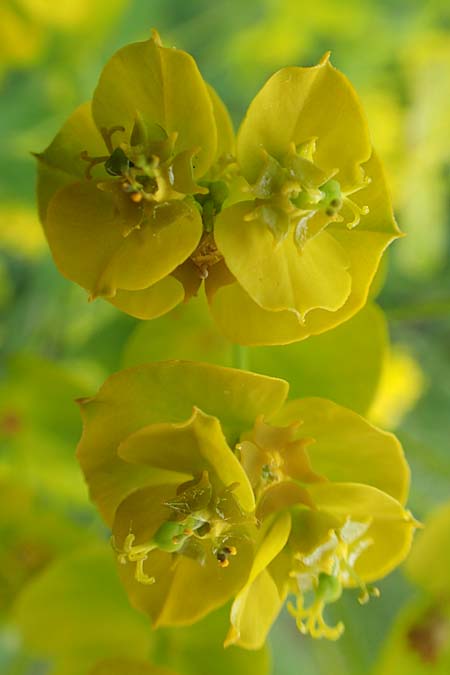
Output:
x=240 y=357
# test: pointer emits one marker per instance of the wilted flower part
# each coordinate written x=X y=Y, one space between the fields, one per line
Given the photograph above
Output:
x=216 y=488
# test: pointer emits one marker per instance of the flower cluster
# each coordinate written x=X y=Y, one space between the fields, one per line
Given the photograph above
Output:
x=217 y=488
x=144 y=194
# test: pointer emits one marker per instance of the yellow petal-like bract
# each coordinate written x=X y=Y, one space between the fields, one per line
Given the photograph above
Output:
x=216 y=488
x=145 y=192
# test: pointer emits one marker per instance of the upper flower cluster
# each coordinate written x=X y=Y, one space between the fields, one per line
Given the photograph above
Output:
x=144 y=194
x=215 y=488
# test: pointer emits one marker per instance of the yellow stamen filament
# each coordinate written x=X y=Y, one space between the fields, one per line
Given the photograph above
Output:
x=137 y=554
x=140 y=575
x=310 y=620
x=357 y=211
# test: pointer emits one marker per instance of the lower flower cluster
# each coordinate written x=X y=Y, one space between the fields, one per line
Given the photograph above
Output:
x=218 y=489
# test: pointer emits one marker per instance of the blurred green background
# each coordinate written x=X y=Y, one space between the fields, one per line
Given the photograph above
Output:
x=55 y=346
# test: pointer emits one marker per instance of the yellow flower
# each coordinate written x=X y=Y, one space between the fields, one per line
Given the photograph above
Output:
x=215 y=487
x=142 y=198
x=116 y=185
x=330 y=502
x=305 y=244
x=161 y=469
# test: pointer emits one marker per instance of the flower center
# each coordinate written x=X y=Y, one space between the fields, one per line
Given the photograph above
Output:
x=323 y=573
x=199 y=522
x=148 y=167
x=295 y=194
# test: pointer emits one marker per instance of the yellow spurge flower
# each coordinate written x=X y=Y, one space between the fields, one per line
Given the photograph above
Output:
x=142 y=198
x=330 y=502
x=215 y=487
x=116 y=185
x=304 y=245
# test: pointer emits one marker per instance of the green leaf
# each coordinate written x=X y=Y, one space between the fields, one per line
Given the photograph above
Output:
x=62 y=613
x=128 y=667
x=198 y=649
x=343 y=365
x=188 y=332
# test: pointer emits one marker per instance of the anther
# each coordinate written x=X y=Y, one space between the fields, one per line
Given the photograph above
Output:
x=136 y=197
x=224 y=553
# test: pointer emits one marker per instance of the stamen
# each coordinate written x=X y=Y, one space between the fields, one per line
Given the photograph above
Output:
x=141 y=576
x=137 y=554
x=310 y=621
x=223 y=554
x=357 y=211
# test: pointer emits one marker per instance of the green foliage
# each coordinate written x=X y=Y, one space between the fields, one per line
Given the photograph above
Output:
x=76 y=614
